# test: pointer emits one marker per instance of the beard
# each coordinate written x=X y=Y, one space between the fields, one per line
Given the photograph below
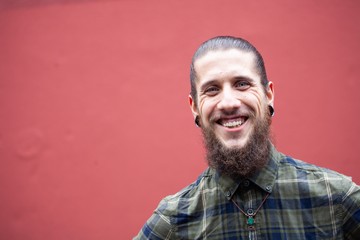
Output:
x=237 y=162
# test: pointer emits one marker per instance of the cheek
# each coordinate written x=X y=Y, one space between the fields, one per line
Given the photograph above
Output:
x=203 y=108
x=255 y=101
x=206 y=107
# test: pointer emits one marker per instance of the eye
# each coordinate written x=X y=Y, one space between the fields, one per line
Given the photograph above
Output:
x=211 y=91
x=242 y=85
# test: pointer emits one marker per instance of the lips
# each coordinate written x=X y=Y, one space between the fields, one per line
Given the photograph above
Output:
x=232 y=123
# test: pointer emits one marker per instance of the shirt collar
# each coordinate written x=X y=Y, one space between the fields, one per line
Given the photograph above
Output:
x=265 y=178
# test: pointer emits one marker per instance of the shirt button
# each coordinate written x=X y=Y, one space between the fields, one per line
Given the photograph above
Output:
x=250 y=211
x=246 y=183
x=268 y=188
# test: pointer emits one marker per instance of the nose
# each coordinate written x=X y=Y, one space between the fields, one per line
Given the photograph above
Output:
x=229 y=99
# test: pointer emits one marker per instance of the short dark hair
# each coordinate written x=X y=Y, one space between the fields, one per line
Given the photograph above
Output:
x=224 y=43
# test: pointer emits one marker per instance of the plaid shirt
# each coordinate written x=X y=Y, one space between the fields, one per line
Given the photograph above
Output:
x=304 y=202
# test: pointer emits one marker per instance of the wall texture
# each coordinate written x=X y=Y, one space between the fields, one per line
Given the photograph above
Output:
x=95 y=126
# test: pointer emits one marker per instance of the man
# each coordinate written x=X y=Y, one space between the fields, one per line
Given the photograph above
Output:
x=250 y=190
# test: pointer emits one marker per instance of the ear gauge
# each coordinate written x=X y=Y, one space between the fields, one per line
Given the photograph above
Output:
x=197 y=122
x=271 y=110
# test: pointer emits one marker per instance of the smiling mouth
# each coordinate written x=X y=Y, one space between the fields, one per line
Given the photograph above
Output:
x=232 y=123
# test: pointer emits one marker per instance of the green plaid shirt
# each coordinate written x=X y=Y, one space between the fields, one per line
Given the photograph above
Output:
x=304 y=202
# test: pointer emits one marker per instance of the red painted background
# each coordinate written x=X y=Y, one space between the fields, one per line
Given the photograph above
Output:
x=95 y=126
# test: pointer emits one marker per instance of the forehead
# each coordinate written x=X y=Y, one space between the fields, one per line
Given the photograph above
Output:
x=226 y=63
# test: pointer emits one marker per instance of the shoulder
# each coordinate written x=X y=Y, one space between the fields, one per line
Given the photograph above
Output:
x=177 y=209
x=189 y=198
x=320 y=179
x=288 y=163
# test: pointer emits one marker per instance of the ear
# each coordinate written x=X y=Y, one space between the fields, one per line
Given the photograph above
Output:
x=270 y=93
x=193 y=106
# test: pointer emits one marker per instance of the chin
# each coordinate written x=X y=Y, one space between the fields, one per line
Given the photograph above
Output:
x=235 y=140
x=234 y=143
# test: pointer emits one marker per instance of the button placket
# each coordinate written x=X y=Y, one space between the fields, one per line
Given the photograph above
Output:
x=246 y=183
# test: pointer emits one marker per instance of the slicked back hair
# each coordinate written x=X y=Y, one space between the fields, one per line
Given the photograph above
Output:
x=225 y=43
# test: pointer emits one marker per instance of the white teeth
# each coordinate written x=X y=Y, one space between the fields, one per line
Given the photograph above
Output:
x=232 y=124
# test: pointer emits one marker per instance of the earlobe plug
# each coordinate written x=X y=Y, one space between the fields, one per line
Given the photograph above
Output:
x=197 y=123
x=271 y=110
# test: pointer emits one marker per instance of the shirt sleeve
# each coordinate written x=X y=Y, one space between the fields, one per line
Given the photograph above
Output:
x=351 y=203
x=158 y=226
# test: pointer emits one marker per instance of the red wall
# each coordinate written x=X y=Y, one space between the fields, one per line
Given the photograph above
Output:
x=95 y=126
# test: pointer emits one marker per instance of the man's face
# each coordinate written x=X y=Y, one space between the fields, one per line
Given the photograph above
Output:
x=230 y=97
